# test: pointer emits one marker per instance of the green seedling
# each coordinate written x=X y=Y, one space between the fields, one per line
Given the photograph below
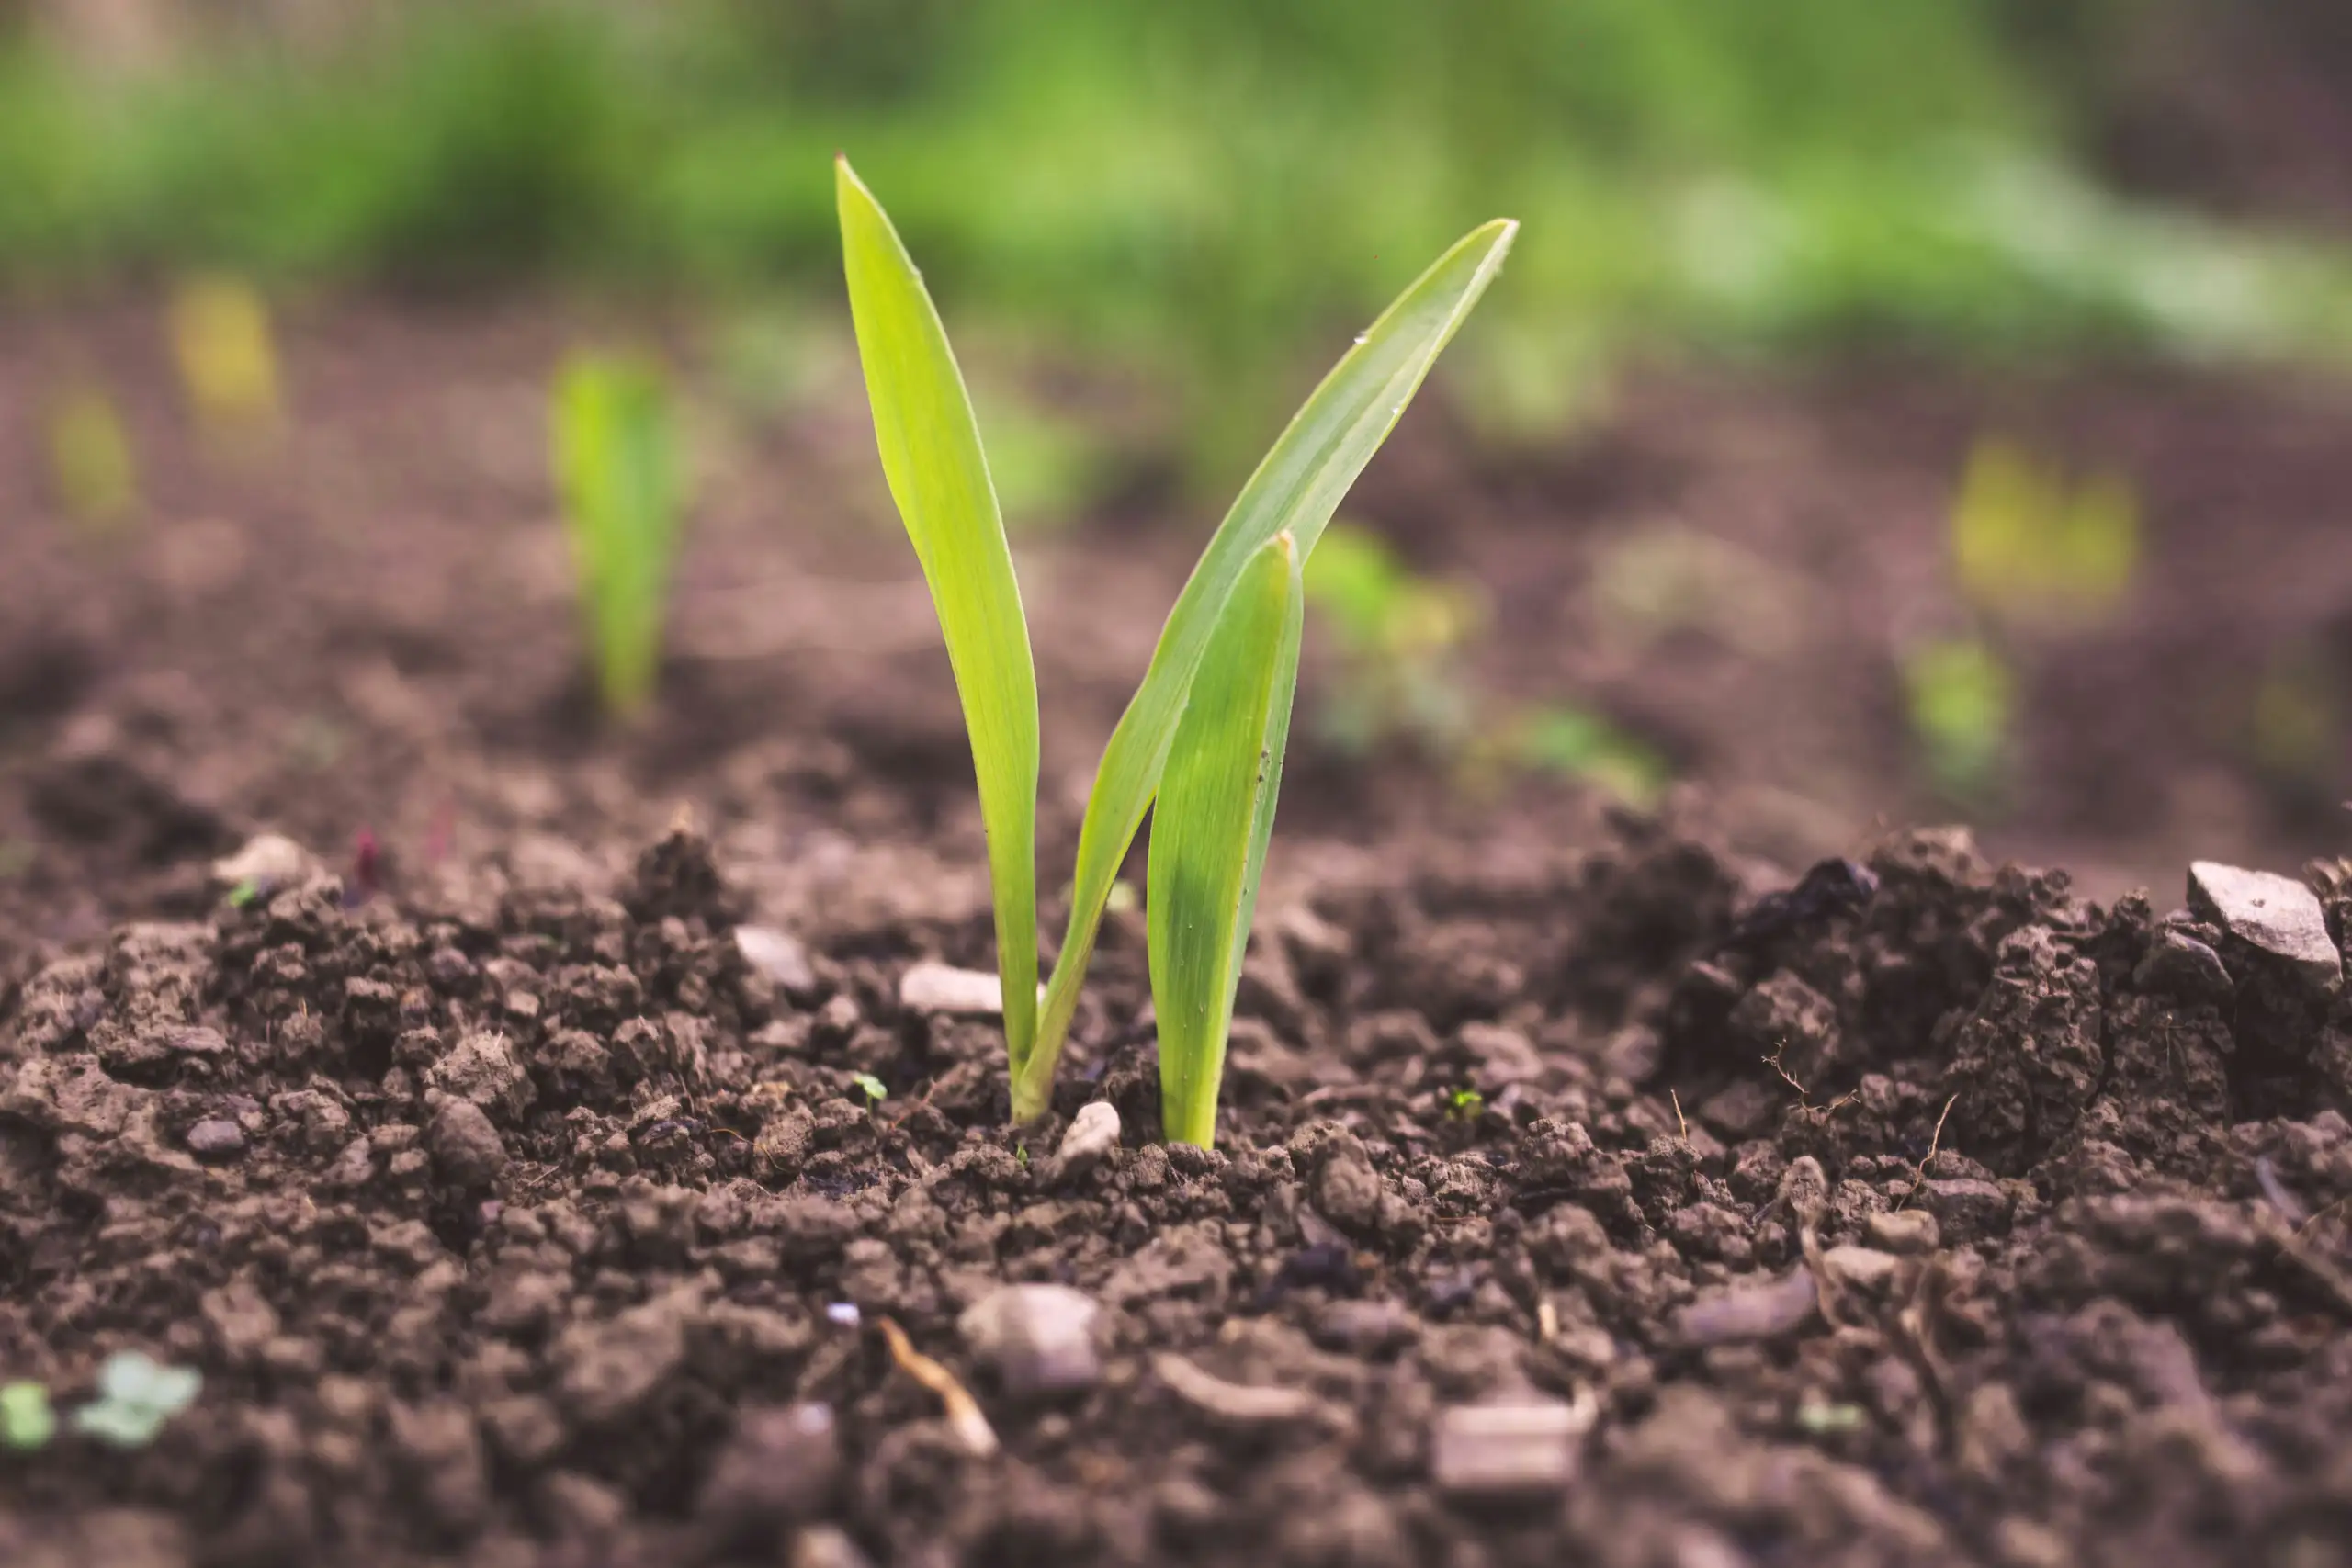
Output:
x=27 y=1421
x=137 y=1394
x=1400 y=638
x=227 y=356
x=1962 y=698
x=2027 y=542
x=617 y=468
x=90 y=463
x=870 y=1087
x=1465 y=1103
x=1581 y=744
x=1204 y=734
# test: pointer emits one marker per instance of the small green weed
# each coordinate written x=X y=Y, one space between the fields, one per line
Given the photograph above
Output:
x=26 y=1420
x=617 y=468
x=874 y=1089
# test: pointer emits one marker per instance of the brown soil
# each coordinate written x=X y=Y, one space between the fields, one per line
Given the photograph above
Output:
x=1942 y=1225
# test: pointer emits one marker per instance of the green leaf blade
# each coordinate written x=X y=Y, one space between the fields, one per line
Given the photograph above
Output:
x=1210 y=828
x=1296 y=490
x=938 y=475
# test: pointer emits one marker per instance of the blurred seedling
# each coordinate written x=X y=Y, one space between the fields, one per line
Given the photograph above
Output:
x=2296 y=726
x=2030 y=544
x=871 y=1086
x=92 y=469
x=1200 y=745
x=227 y=356
x=1399 y=637
x=1577 y=743
x=26 y=1419
x=1962 y=698
x=1402 y=638
x=1465 y=1103
x=617 y=472
x=137 y=1396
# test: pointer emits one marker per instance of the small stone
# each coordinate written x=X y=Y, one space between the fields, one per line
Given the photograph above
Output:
x=267 y=861
x=931 y=987
x=2275 y=914
x=1365 y=1328
x=1507 y=1451
x=2178 y=964
x=778 y=955
x=1093 y=1133
x=824 y=1546
x=1039 y=1338
x=1862 y=1268
x=197 y=1040
x=781 y=1467
x=216 y=1137
x=466 y=1148
x=1910 y=1230
x=1969 y=1207
x=1242 y=1406
x=1749 y=1311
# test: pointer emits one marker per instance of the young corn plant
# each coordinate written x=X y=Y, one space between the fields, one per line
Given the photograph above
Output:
x=616 y=469
x=1201 y=743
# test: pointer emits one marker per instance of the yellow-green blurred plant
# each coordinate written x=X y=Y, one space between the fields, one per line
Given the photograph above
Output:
x=91 y=465
x=2028 y=543
x=2296 y=728
x=617 y=470
x=227 y=356
x=1962 y=698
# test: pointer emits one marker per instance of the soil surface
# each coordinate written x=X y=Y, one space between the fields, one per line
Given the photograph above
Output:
x=1592 y=1186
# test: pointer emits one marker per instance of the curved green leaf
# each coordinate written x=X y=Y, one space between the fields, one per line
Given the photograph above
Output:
x=1209 y=829
x=1294 y=491
x=939 y=476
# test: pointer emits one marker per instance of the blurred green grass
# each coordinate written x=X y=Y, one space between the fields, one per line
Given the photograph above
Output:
x=1209 y=191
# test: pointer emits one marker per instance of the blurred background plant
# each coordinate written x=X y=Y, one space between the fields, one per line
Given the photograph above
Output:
x=1141 y=175
x=617 y=468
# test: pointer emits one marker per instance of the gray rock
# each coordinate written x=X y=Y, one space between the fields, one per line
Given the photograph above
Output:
x=931 y=987
x=612 y=1370
x=1365 y=1328
x=2273 y=914
x=1527 y=1450
x=464 y=1148
x=1039 y=1338
x=2178 y=964
x=1969 y=1207
x=483 y=1070
x=1093 y=1133
x=782 y=1467
x=778 y=955
x=1912 y=1231
x=1348 y=1190
x=1748 y=1312
x=267 y=861
x=824 y=1546
x=1862 y=1268
x=216 y=1137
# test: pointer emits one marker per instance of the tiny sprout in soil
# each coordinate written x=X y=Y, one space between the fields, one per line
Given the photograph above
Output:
x=617 y=468
x=1463 y=1104
x=870 y=1087
x=1204 y=736
x=25 y=1419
